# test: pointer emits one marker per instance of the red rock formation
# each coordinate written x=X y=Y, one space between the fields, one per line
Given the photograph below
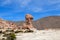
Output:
x=28 y=22
x=5 y=24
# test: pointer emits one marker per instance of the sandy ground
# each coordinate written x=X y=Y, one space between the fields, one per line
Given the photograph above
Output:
x=50 y=34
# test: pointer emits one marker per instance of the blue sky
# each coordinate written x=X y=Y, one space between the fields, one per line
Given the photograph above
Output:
x=16 y=10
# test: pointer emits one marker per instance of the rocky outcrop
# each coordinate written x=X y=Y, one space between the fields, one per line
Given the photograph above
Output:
x=45 y=23
x=5 y=24
x=28 y=22
x=11 y=25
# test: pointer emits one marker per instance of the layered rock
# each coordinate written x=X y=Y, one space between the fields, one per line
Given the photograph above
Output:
x=5 y=24
x=28 y=22
x=11 y=25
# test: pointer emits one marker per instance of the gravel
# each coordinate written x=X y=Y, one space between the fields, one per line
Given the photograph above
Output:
x=50 y=34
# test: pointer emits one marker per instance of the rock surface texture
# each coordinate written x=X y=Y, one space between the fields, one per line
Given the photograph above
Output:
x=50 y=34
x=28 y=22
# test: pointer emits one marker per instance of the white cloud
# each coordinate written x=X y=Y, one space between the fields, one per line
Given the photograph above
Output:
x=51 y=4
x=5 y=2
x=32 y=5
x=58 y=14
x=36 y=9
x=25 y=2
x=5 y=14
x=53 y=1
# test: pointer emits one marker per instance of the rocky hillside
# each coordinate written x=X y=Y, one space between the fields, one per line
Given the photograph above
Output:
x=46 y=22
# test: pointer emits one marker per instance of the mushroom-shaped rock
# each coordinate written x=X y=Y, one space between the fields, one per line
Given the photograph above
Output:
x=28 y=22
x=28 y=16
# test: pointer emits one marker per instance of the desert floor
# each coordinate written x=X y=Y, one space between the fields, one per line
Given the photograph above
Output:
x=50 y=34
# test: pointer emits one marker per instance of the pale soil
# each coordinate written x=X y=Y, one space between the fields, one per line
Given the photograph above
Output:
x=50 y=34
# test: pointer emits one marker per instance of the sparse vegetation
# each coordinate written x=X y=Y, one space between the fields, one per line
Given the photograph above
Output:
x=11 y=36
x=27 y=31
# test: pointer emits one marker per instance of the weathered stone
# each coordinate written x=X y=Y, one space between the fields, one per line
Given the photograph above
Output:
x=28 y=22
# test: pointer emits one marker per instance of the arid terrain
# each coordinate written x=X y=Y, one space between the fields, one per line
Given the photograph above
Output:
x=46 y=22
x=47 y=28
x=51 y=34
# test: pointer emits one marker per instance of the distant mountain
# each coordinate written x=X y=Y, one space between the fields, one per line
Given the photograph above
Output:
x=46 y=22
x=19 y=23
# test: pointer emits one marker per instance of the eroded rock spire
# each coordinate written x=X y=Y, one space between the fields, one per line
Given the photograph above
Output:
x=28 y=22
